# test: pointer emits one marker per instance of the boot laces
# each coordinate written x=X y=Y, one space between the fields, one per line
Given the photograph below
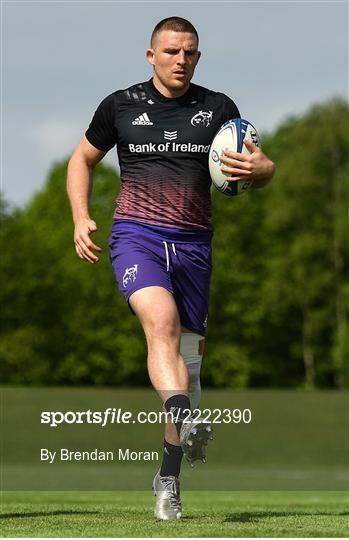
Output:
x=170 y=485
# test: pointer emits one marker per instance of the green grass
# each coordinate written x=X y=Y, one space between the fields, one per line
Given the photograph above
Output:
x=215 y=514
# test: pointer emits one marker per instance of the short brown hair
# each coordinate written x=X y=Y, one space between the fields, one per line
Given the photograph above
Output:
x=177 y=24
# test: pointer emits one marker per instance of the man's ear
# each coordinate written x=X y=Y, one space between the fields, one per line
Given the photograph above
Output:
x=150 y=56
x=199 y=56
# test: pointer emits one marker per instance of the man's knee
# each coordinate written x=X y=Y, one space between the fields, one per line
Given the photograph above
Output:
x=192 y=350
x=157 y=312
x=163 y=328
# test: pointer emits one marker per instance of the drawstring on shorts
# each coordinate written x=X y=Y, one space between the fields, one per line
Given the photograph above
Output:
x=168 y=255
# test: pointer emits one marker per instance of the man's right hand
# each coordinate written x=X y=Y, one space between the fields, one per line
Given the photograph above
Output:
x=84 y=246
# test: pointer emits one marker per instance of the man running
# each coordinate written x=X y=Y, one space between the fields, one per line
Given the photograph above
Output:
x=160 y=246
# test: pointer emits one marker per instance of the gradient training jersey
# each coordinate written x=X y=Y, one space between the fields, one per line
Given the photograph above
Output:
x=163 y=146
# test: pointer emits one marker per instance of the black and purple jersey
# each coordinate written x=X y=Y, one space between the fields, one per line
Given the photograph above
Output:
x=163 y=145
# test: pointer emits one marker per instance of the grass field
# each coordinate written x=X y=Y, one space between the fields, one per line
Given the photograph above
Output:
x=216 y=514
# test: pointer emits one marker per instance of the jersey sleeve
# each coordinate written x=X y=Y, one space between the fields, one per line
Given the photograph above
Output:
x=101 y=132
x=230 y=110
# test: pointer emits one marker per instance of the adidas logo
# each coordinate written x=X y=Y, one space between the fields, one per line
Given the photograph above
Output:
x=142 y=120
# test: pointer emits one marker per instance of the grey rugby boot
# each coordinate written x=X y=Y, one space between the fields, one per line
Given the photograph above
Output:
x=168 y=502
x=194 y=437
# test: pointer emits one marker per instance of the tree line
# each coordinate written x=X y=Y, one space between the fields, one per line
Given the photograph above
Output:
x=280 y=291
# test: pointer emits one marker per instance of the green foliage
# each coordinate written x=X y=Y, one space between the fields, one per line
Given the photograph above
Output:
x=280 y=287
x=280 y=292
x=63 y=320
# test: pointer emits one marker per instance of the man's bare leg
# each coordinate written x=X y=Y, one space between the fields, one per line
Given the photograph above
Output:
x=158 y=314
x=157 y=311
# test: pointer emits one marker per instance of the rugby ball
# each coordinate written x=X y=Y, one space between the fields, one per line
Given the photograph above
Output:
x=230 y=137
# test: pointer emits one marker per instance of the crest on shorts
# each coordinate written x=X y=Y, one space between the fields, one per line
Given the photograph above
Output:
x=130 y=275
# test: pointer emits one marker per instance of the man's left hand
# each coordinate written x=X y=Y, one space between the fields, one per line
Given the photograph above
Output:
x=254 y=166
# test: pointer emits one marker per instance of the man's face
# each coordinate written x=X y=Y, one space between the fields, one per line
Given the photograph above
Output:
x=174 y=56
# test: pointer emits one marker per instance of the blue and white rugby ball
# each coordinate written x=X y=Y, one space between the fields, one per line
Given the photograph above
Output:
x=230 y=137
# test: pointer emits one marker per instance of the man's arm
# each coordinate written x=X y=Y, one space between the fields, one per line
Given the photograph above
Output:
x=79 y=188
x=255 y=166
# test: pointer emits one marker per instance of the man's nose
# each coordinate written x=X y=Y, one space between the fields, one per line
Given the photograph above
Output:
x=181 y=59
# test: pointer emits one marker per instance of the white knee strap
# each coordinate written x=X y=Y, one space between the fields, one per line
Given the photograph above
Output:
x=190 y=351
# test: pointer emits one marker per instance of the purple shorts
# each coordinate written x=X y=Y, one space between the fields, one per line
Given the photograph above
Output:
x=145 y=255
